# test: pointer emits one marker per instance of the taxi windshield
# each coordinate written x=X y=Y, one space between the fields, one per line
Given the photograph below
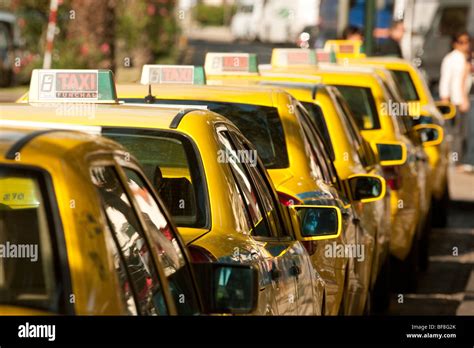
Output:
x=27 y=265
x=260 y=124
x=171 y=164
x=362 y=105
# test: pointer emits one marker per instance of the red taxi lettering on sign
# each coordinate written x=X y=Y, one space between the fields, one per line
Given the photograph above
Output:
x=323 y=57
x=76 y=85
x=298 y=58
x=235 y=63
x=177 y=74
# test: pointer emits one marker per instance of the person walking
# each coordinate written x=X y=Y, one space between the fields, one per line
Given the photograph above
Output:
x=391 y=45
x=454 y=86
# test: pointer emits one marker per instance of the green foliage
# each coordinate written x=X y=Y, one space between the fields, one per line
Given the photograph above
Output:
x=148 y=24
x=214 y=15
x=210 y=15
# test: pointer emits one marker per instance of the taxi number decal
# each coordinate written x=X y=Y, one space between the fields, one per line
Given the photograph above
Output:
x=235 y=63
x=176 y=74
x=323 y=56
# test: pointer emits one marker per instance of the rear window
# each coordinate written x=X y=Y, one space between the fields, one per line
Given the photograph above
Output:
x=407 y=89
x=260 y=124
x=27 y=262
x=362 y=104
x=172 y=166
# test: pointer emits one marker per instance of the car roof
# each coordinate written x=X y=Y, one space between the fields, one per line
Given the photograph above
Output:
x=104 y=115
x=60 y=143
x=346 y=68
x=92 y=114
x=251 y=94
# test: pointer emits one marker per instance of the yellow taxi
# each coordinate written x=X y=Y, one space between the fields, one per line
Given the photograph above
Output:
x=414 y=90
x=99 y=241
x=351 y=155
x=271 y=120
x=216 y=189
x=370 y=103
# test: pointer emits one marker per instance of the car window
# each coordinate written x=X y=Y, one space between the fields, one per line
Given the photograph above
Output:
x=171 y=164
x=268 y=200
x=317 y=116
x=254 y=209
x=408 y=88
x=25 y=229
x=362 y=104
x=167 y=246
x=131 y=242
x=260 y=124
x=315 y=145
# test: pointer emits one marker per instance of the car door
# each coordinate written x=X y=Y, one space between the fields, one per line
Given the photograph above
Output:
x=295 y=257
x=265 y=225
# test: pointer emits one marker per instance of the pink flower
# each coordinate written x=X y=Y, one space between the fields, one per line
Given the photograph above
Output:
x=105 y=48
x=151 y=9
x=84 y=50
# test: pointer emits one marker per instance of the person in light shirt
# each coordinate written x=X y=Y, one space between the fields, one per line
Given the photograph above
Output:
x=454 y=86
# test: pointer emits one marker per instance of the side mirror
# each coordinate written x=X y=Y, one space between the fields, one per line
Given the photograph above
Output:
x=392 y=153
x=430 y=134
x=227 y=288
x=367 y=187
x=318 y=222
x=447 y=109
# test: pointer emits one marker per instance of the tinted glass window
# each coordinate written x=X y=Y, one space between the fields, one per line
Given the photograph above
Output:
x=269 y=204
x=362 y=104
x=407 y=89
x=260 y=124
x=245 y=185
x=317 y=116
x=166 y=244
x=323 y=161
x=169 y=161
x=27 y=263
x=131 y=242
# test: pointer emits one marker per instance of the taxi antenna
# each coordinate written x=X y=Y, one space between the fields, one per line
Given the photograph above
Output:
x=150 y=98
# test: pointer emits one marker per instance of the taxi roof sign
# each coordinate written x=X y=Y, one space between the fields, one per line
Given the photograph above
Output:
x=284 y=57
x=345 y=48
x=231 y=64
x=74 y=86
x=165 y=74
